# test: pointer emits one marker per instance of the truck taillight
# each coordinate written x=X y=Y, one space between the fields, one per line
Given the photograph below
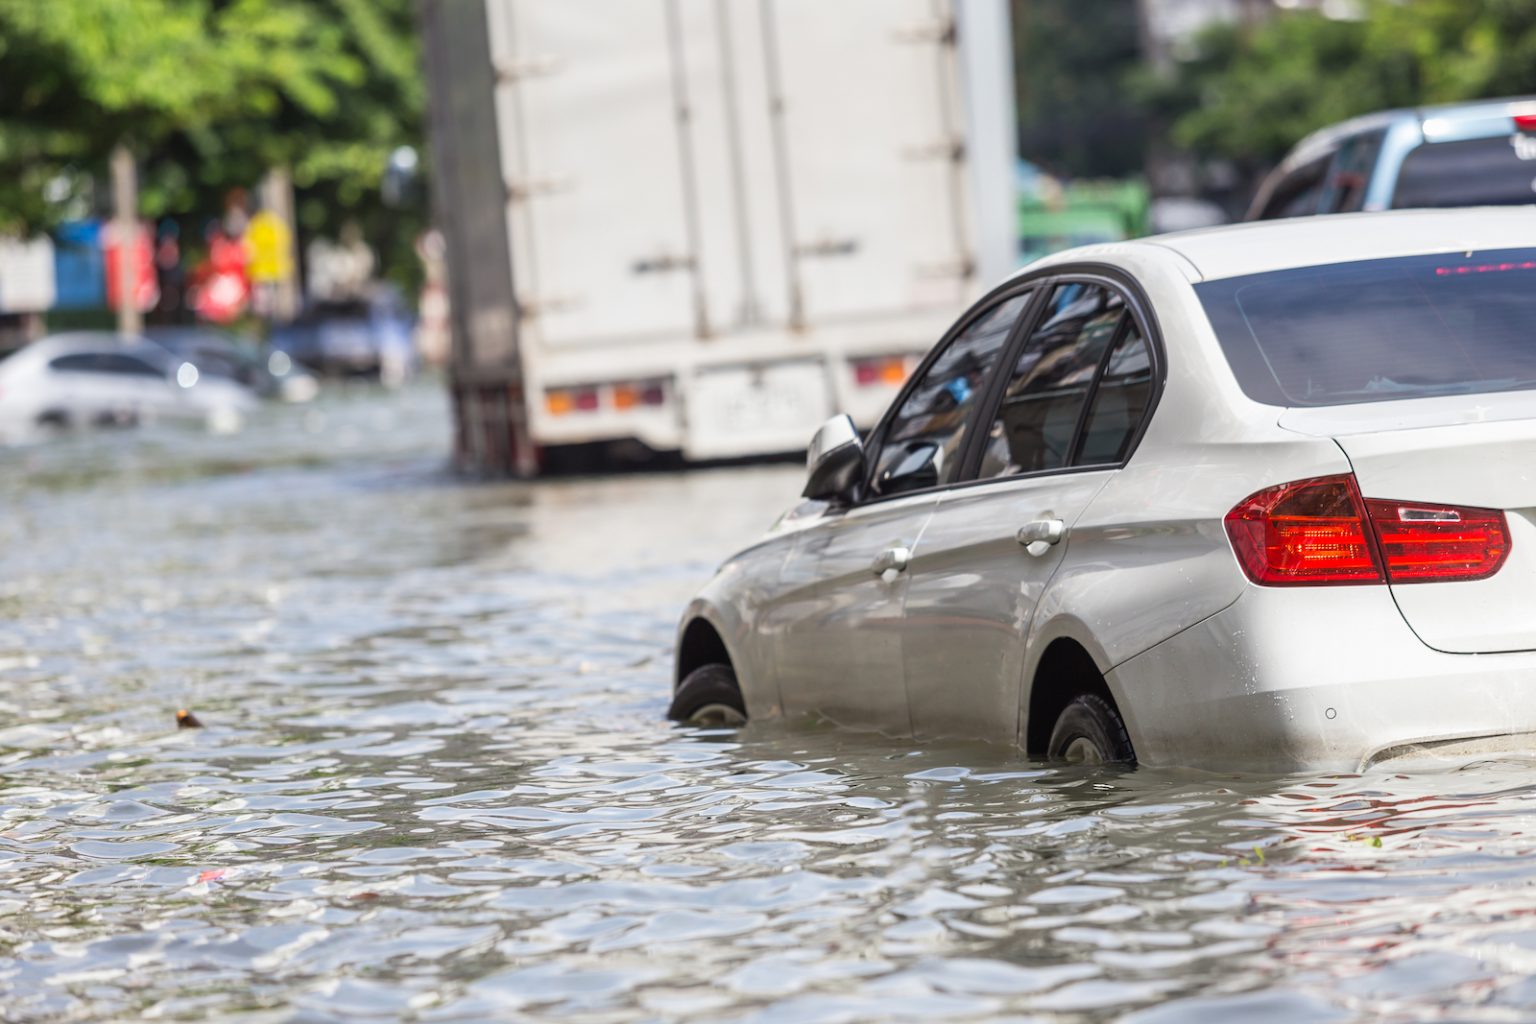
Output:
x=1322 y=531
x=620 y=396
x=887 y=370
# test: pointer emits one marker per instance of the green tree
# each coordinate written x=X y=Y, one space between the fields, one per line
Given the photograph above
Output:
x=208 y=94
x=1251 y=92
x=1076 y=115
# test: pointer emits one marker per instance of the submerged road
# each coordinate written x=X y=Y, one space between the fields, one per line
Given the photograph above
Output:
x=433 y=783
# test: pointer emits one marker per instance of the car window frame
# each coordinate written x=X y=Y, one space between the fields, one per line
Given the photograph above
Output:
x=1043 y=282
x=981 y=307
x=1138 y=308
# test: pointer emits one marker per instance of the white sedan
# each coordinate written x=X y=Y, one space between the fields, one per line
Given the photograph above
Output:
x=92 y=378
x=1257 y=495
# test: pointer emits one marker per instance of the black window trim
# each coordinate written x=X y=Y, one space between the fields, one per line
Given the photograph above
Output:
x=1044 y=282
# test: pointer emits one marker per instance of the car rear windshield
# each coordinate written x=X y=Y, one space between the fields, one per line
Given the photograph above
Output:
x=1380 y=330
x=1476 y=172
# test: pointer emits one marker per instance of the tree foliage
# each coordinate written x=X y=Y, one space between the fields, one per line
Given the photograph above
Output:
x=207 y=94
x=1251 y=91
x=1071 y=67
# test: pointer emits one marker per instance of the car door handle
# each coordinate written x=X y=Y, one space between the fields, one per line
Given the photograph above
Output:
x=1041 y=533
x=891 y=560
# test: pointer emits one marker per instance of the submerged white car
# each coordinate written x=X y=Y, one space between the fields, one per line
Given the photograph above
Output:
x=94 y=379
x=1257 y=495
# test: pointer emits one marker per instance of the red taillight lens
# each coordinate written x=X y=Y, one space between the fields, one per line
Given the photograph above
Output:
x=1307 y=532
x=1321 y=531
x=1421 y=542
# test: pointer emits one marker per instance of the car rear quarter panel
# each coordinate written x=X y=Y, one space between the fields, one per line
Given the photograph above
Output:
x=1149 y=556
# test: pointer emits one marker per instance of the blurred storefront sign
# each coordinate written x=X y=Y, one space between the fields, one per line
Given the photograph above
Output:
x=271 y=247
x=141 y=252
x=27 y=281
x=79 y=274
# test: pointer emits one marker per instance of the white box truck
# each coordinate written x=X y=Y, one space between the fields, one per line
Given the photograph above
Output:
x=703 y=226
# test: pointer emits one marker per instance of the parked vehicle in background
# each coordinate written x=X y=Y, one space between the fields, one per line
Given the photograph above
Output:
x=1467 y=154
x=94 y=379
x=366 y=337
x=696 y=229
x=1252 y=495
x=271 y=374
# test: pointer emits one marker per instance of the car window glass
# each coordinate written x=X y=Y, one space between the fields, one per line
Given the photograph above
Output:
x=1351 y=173
x=127 y=366
x=921 y=445
x=1119 y=401
x=78 y=363
x=1298 y=193
x=1500 y=171
x=1037 y=418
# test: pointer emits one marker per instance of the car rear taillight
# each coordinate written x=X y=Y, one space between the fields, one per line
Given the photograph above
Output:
x=1420 y=543
x=1321 y=531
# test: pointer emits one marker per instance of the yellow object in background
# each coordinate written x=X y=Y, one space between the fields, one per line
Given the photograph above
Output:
x=271 y=248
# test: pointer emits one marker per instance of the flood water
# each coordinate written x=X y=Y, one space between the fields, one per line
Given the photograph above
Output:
x=434 y=783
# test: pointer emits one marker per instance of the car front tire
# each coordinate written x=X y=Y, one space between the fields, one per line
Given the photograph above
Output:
x=1090 y=731
x=709 y=696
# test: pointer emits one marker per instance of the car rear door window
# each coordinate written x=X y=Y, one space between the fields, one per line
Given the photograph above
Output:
x=1036 y=421
x=923 y=439
x=1120 y=401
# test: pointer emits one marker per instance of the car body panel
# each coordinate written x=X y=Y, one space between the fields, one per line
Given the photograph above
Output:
x=1205 y=667
x=839 y=650
x=971 y=597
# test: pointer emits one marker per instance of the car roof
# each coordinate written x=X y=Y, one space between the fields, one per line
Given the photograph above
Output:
x=73 y=342
x=1257 y=247
x=1325 y=140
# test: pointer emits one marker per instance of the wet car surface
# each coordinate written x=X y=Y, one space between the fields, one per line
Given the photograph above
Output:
x=434 y=782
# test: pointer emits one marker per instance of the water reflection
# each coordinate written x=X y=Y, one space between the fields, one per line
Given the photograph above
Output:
x=434 y=784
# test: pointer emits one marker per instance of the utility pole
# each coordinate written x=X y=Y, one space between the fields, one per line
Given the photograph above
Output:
x=125 y=219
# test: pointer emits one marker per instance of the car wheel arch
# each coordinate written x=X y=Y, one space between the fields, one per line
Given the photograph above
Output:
x=1066 y=667
x=700 y=642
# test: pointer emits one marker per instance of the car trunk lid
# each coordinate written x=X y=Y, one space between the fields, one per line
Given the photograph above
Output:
x=1476 y=451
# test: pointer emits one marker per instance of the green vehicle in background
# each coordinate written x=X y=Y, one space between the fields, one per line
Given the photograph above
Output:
x=1055 y=216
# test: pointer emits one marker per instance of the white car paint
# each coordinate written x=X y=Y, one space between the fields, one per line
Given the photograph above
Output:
x=39 y=391
x=1205 y=666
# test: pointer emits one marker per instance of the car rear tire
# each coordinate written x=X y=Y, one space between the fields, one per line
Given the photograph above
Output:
x=1090 y=731
x=709 y=696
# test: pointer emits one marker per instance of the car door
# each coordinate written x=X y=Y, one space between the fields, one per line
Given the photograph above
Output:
x=1077 y=391
x=840 y=653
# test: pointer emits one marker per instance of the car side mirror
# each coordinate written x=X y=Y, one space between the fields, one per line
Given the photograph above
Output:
x=834 y=462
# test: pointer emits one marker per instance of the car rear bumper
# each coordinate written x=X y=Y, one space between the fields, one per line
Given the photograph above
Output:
x=1322 y=677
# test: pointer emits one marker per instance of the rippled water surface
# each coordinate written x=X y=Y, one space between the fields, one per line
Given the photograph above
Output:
x=434 y=783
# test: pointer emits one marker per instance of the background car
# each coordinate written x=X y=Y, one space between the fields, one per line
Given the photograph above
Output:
x=93 y=379
x=1469 y=154
x=1244 y=496
x=271 y=374
x=355 y=337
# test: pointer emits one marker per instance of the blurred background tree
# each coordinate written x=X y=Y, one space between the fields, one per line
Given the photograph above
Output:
x=208 y=95
x=1251 y=91
x=1076 y=116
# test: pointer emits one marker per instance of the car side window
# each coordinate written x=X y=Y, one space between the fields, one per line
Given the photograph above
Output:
x=1036 y=422
x=923 y=438
x=1120 y=401
x=126 y=366
x=1350 y=175
x=1298 y=193
x=84 y=362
